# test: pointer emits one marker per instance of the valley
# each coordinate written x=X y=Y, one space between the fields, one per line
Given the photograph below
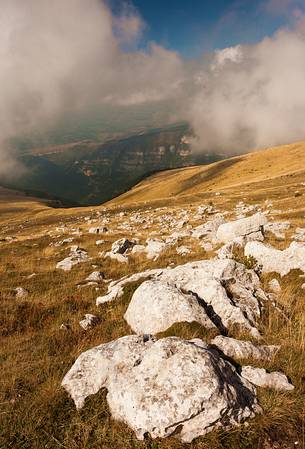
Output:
x=90 y=172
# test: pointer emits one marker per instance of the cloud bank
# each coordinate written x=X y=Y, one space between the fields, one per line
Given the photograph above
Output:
x=71 y=55
x=62 y=56
x=253 y=96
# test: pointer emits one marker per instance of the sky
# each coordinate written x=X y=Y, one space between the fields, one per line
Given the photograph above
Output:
x=192 y=27
x=234 y=70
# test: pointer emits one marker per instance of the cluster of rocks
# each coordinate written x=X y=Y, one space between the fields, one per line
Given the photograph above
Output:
x=187 y=387
x=171 y=385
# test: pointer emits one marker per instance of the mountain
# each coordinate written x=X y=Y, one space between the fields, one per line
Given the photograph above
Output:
x=88 y=172
x=213 y=254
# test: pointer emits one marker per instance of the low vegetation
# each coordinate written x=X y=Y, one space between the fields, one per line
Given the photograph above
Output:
x=35 y=352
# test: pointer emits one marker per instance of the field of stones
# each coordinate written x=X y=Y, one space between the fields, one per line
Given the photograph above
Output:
x=175 y=324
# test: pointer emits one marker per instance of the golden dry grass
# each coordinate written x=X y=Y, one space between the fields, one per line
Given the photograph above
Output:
x=237 y=172
x=35 y=412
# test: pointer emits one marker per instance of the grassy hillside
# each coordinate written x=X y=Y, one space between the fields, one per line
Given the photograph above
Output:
x=234 y=173
x=35 y=353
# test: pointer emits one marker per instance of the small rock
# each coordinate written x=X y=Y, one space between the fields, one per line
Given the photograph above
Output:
x=183 y=250
x=21 y=292
x=250 y=227
x=274 y=286
x=89 y=321
x=244 y=349
x=260 y=378
x=96 y=276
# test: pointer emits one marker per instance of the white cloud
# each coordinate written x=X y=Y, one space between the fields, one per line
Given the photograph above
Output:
x=61 y=56
x=257 y=101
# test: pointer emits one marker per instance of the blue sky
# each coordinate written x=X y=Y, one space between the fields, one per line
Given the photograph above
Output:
x=194 y=26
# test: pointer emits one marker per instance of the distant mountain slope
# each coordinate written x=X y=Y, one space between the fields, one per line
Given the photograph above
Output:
x=90 y=173
x=257 y=167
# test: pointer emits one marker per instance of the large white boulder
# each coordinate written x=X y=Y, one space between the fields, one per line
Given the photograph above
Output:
x=244 y=349
x=251 y=228
x=229 y=292
x=162 y=387
x=274 y=260
x=156 y=305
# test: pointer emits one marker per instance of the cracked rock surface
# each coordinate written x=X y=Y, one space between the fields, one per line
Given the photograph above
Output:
x=165 y=386
x=229 y=293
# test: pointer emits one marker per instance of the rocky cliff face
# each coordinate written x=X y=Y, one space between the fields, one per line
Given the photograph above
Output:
x=90 y=173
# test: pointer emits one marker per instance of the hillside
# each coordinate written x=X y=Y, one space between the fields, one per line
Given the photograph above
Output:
x=214 y=253
x=270 y=166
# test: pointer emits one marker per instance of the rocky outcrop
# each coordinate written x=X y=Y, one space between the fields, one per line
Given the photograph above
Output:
x=229 y=292
x=164 y=387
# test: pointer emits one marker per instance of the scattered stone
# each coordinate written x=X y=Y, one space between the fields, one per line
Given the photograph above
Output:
x=97 y=230
x=183 y=250
x=277 y=229
x=274 y=286
x=116 y=256
x=89 y=321
x=154 y=248
x=227 y=250
x=77 y=256
x=250 y=227
x=96 y=276
x=164 y=387
x=122 y=245
x=138 y=249
x=207 y=246
x=208 y=229
x=21 y=292
x=260 y=378
x=244 y=349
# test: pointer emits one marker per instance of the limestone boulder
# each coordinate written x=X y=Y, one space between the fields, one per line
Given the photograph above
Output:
x=164 y=387
x=275 y=260
x=155 y=306
x=249 y=227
